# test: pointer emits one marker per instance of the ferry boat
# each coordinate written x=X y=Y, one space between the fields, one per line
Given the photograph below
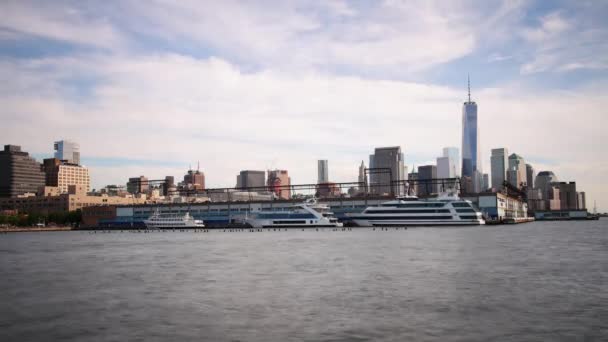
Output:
x=158 y=221
x=305 y=215
x=412 y=211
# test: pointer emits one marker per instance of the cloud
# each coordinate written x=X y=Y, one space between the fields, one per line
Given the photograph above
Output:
x=566 y=42
x=256 y=85
x=183 y=110
x=58 y=21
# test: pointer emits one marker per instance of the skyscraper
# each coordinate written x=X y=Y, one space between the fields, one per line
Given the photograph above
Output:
x=499 y=164
x=194 y=180
x=251 y=179
x=67 y=150
x=19 y=173
x=454 y=155
x=471 y=157
x=543 y=181
x=387 y=167
x=362 y=173
x=425 y=174
x=138 y=185
x=445 y=168
x=279 y=182
x=322 y=171
x=530 y=175
x=517 y=170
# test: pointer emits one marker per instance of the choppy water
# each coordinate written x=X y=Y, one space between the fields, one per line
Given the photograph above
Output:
x=531 y=282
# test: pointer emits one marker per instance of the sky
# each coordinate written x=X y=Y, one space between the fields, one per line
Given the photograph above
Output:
x=151 y=87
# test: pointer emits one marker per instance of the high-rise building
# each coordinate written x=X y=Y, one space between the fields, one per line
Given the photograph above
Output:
x=486 y=182
x=517 y=174
x=251 y=179
x=412 y=179
x=499 y=164
x=67 y=150
x=445 y=168
x=19 y=173
x=169 y=186
x=471 y=154
x=427 y=175
x=387 y=169
x=543 y=181
x=138 y=185
x=362 y=173
x=194 y=180
x=322 y=171
x=582 y=200
x=279 y=183
x=454 y=155
x=567 y=195
x=62 y=174
x=530 y=175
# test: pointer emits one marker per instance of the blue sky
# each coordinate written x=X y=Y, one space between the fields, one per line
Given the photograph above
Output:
x=149 y=87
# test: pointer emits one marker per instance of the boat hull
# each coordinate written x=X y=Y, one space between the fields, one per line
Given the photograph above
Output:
x=415 y=223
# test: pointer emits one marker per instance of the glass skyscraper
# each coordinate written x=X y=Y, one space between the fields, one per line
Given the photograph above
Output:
x=471 y=158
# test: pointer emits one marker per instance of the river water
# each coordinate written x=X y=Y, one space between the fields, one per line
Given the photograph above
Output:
x=542 y=281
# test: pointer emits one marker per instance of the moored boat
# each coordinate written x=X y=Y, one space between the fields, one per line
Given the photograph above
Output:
x=186 y=221
x=412 y=211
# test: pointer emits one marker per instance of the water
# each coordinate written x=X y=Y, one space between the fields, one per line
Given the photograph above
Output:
x=543 y=281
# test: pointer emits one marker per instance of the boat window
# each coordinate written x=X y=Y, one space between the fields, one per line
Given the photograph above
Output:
x=465 y=210
x=407 y=211
x=461 y=205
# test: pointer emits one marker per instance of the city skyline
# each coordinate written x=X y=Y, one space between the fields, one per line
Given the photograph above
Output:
x=139 y=101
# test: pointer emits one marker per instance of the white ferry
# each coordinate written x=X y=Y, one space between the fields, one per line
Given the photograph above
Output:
x=304 y=215
x=412 y=211
x=158 y=221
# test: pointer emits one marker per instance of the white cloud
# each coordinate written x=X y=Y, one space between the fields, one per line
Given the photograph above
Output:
x=59 y=22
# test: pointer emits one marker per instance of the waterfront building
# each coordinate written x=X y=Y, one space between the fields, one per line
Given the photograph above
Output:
x=499 y=205
x=279 y=183
x=387 y=169
x=68 y=151
x=251 y=179
x=543 y=182
x=581 y=200
x=51 y=200
x=499 y=165
x=322 y=171
x=567 y=195
x=471 y=154
x=427 y=175
x=517 y=175
x=138 y=185
x=535 y=200
x=62 y=174
x=20 y=174
x=530 y=175
x=553 y=201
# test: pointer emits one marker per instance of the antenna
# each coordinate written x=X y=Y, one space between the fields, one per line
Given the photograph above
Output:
x=198 y=165
x=469 y=84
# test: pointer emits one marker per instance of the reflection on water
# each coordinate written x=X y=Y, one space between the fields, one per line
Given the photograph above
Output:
x=535 y=282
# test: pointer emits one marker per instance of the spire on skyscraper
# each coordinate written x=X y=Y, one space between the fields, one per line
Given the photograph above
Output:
x=469 y=84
